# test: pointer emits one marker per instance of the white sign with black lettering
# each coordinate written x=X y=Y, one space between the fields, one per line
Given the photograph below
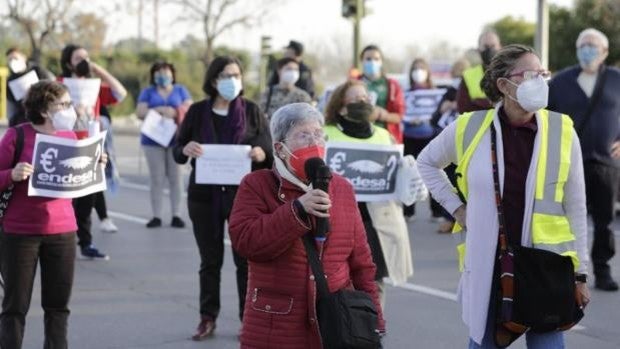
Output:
x=67 y=168
x=84 y=92
x=223 y=164
x=370 y=168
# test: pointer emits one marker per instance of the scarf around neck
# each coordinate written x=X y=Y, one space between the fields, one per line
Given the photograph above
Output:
x=234 y=125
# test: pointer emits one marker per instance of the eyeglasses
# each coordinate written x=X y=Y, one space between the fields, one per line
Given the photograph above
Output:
x=64 y=105
x=532 y=74
x=228 y=76
x=308 y=138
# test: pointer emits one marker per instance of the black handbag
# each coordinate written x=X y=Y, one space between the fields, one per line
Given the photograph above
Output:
x=6 y=194
x=536 y=290
x=347 y=318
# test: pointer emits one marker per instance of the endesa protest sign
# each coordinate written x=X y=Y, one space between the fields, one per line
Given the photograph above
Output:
x=370 y=168
x=67 y=168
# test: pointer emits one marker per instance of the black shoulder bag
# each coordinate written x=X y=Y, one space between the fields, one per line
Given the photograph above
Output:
x=6 y=194
x=536 y=287
x=347 y=318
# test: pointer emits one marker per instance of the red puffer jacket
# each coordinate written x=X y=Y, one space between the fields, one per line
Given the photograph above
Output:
x=280 y=307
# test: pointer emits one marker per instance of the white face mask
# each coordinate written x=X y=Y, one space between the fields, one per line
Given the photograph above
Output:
x=17 y=65
x=64 y=120
x=419 y=75
x=532 y=95
x=289 y=76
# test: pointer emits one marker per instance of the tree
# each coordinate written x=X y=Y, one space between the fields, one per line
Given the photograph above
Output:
x=566 y=24
x=39 y=19
x=86 y=29
x=514 y=30
x=220 y=16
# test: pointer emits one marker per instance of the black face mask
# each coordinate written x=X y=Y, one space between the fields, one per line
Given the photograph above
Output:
x=359 y=111
x=487 y=55
x=82 y=69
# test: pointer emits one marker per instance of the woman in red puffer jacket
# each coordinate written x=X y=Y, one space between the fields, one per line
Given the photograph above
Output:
x=273 y=210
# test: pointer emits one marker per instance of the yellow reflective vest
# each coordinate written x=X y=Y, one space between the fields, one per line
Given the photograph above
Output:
x=379 y=136
x=550 y=227
x=472 y=77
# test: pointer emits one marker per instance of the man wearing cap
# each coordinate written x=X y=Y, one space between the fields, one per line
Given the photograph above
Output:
x=295 y=50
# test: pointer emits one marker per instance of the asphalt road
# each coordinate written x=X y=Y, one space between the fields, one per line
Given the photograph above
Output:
x=146 y=295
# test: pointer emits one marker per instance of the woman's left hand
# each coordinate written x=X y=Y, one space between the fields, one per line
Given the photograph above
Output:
x=258 y=154
x=582 y=293
x=103 y=160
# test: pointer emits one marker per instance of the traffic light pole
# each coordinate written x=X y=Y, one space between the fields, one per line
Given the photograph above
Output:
x=356 y=33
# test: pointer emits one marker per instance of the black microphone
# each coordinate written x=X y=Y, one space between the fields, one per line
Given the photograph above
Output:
x=319 y=175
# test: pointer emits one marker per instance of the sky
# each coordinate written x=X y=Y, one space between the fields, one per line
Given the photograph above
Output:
x=393 y=24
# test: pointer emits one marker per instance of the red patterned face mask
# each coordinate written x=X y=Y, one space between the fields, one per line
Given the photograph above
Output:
x=300 y=156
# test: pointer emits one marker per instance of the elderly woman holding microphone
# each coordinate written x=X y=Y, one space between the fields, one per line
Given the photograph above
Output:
x=535 y=178
x=273 y=211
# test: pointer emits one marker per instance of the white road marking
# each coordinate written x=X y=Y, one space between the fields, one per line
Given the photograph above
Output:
x=429 y=291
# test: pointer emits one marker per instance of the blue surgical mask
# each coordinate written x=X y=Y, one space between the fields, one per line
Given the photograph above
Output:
x=163 y=80
x=372 y=68
x=229 y=88
x=587 y=54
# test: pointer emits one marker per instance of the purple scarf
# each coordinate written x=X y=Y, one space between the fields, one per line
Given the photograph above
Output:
x=234 y=128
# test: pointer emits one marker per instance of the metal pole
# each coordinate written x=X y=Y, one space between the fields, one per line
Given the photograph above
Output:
x=356 y=32
x=541 y=41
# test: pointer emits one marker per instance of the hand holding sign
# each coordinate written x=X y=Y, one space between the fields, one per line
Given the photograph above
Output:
x=21 y=172
x=20 y=86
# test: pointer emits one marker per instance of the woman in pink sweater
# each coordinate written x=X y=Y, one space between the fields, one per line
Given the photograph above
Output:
x=36 y=229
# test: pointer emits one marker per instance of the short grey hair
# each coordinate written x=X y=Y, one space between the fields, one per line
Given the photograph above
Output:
x=592 y=32
x=291 y=115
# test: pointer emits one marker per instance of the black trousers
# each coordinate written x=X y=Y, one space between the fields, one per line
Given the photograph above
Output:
x=601 y=191
x=414 y=146
x=83 y=207
x=19 y=255
x=100 y=206
x=209 y=234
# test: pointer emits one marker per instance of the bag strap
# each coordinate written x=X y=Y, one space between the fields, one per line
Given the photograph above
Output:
x=19 y=145
x=315 y=265
x=503 y=241
x=269 y=94
x=596 y=95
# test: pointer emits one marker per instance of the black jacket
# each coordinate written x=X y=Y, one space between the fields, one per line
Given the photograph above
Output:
x=256 y=134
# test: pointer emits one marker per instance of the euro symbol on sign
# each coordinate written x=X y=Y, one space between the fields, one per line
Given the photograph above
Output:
x=335 y=163
x=46 y=159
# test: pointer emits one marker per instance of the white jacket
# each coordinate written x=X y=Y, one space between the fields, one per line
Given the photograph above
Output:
x=482 y=225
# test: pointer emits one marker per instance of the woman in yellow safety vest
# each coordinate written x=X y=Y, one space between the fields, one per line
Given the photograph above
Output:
x=542 y=188
x=349 y=117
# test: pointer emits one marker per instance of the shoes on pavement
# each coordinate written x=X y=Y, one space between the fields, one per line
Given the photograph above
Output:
x=177 y=222
x=107 y=226
x=154 y=223
x=205 y=329
x=90 y=252
x=606 y=284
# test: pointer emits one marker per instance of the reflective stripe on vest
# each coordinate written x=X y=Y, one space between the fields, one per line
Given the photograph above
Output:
x=472 y=77
x=550 y=227
x=379 y=136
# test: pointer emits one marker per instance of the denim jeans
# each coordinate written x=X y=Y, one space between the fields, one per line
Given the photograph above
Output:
x=550 y=340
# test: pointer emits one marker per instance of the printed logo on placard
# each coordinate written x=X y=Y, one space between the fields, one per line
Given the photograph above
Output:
x=62 y=168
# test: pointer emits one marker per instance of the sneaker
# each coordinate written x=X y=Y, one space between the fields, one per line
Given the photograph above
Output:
x=177 y=222
x=154 y=223
x=90 y=252
x=107 y=226
x=205 y=329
